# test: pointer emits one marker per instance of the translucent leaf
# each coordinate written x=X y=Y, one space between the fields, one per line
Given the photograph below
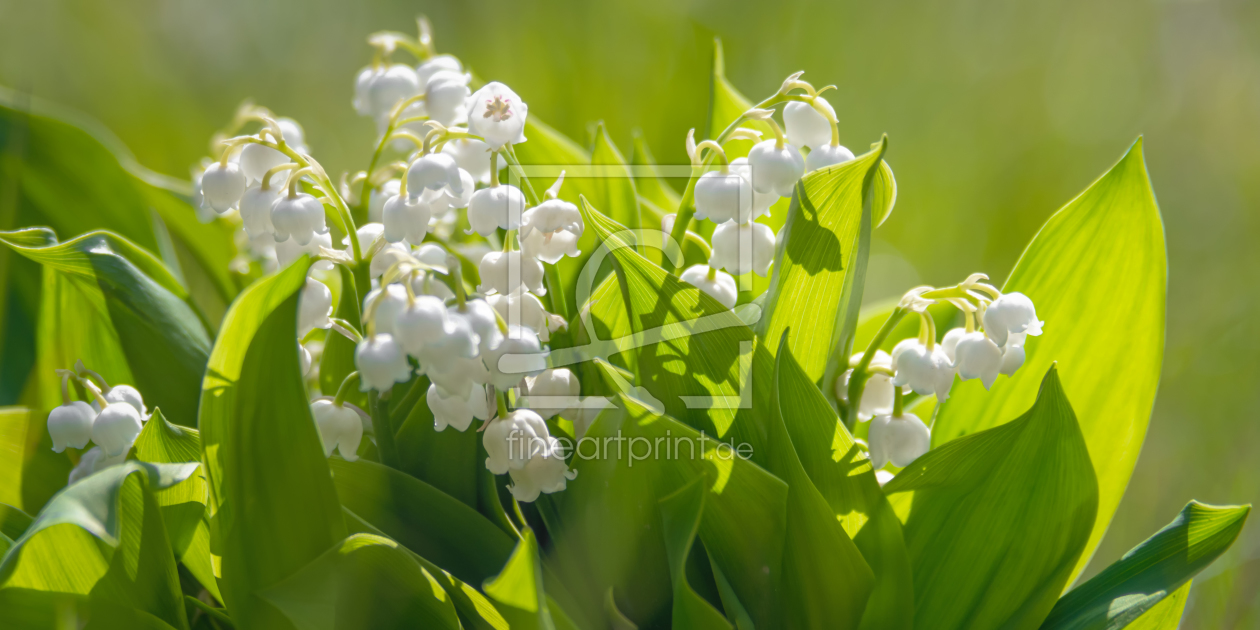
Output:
x=518 y=589
x=727 y=104
x=998 y=519
x=1127 y=592
x=680 y=516
x=1098 y=274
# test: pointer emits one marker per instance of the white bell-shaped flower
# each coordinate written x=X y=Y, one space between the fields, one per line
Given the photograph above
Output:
x=406 y=218
x=305 y=360
x=131 y=396
x=761 y=201
x=1013 y=354
x=257 y=159
x=434 y=171
x=424 y=283
x=289 y=251
x=367 y=234
x=70 y=425
x=517 y=356
x=496 y=207
x=883 y=477
x=314 y=307
x=391 y=302
x=362 y=87
x=339 y=428
x=898 y=439
x=94 y=460
x=294 y=135
x=445 y=97
x=1011 y=313
x=480 y=315
x=299 y=216
x=512 y=440
x=421 y=323
x=724 y=196
x=550 y=231
x=509 y=272
x=545 y=472
x=925 y=371
x=776 y=167
x=457 y=412
x=222 y=185
x=378 y=197
x=805 y=126
x=877 y=395
x=116 y=428
x=950 y=342
x=718 y=284
x=978 y=357
x=552 y=391
x=435 y=64
x=826 y=155
x=388 y=86
x=457 y=376
x=743 y=248
x=387 y=257
x=472 y=156
x=255 y=209
x=448 y=199
x=522 y=309
x=497 y=114
x=382 y=362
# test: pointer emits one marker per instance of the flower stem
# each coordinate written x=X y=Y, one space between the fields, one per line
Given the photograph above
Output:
x=385 y=446
x=347 y=385
x=899 y=402
x=857 y=381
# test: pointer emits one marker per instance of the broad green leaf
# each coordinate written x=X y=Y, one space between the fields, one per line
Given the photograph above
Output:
x=652 y=188
x=727 y=104
x=842 y=473
x=1167 y=614
x=613 y=182
x=76 y=177
x=518 y=589
x=183 y=506
x=1098 y=273
x=826 y=582
x=808 y=291
x=999 y=518
x=57 y=552
x=680 y=516
x=446 y=460
x=1150 y=572
x=30 y=472
x=272 y=491
x=13 y=522
x=434 y=525
x=116 y=307
x=365 y=581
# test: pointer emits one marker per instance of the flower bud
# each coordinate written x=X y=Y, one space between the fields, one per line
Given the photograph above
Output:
x=522 y=309
x=743 y=248
x=978 y=357
x=339 y=428
x=300 y=217
x=434 y=171
x=722 y=197
x=71 y=425
x=293 y=134
x=130 y=395
x=406 y=218
x=721 y=286
x=446 y=94
x=545 y=472
x=510 y=272
x=422 y=322
x=381 y=362
x=826 y=155
x=391 y=305
x=511 y=441
x=775 y=169
x=552 y=391
x=257 y=159
x=386 y=87
x=925 y=371
x=805 y=126
x=1011 y=313
x=519 y=355
x=255 y=209
x=435 y=64
x=898 y=439
x=314 y=307
x=377 y=198
x=222 y=185
x=496 y=207
x=480 y=315
x=116 y=428
x=457 y=412
x=472 y=156
x=497 y=114
x=455 y=375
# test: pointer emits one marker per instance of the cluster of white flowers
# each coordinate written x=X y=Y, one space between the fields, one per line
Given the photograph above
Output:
x=991 y=343
x=738 y=192
x=112 y=422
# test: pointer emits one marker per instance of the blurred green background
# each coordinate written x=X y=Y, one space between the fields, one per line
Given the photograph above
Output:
x=998 y=113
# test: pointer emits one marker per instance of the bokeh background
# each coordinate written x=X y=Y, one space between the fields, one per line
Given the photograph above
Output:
x=998 y=113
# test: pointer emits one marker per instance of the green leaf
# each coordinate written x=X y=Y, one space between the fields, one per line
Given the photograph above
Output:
x=337 y=360
x=518 y=589
x=183 y=506
x=825 y=582
x=1098 y=273
x=727 y=104
x=652 y=188
x=613 y=182
x=998 y=519
x=1150 y=572
x=13 y=522
x=842 y=474
x=116 y=307
x=365 y=581
x=1167 y=614
x=820 y=253
x=680 y=516
x=436 y=526
x=58 y=551
x=272 y=491
x=30 y=472
x=446 y=460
